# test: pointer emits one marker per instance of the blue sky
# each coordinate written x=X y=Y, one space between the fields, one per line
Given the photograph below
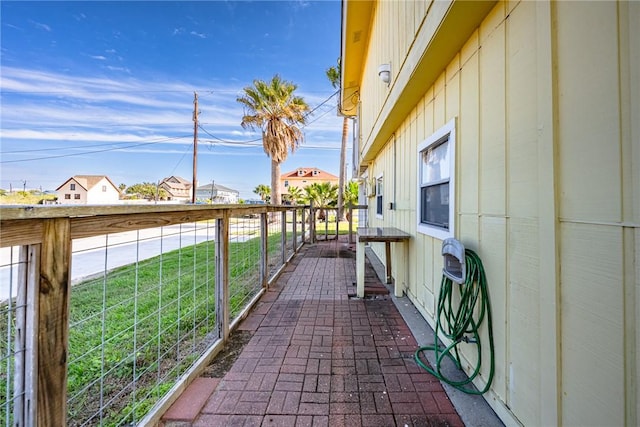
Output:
x=107 y=88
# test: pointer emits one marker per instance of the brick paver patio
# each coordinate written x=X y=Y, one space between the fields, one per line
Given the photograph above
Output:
x=320 y=358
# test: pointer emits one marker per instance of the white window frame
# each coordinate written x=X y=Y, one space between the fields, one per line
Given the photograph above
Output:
x=379 y=194
x=447 y=131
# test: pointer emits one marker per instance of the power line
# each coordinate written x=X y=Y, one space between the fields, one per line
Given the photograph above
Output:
x=80 y=146
x=91 y=152
x=248 y=143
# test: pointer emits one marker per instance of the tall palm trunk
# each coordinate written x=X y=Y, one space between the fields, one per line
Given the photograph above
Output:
x=341 y=175
x=275 y=183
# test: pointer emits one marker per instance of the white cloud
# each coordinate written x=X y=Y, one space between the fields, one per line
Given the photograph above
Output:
x=41 y=26
x=84 y=115
x=201 y=35
x=99 y=57
x=112 y=68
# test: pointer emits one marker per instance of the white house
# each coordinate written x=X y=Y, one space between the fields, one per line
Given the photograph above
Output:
x=217 y=194
x=88 y=189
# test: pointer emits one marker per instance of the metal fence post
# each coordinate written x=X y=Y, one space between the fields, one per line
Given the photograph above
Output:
x=264 y=246
x=304 y=225
x=295 y=230
x=350 y=224
x=283 y=236
x=312 y=223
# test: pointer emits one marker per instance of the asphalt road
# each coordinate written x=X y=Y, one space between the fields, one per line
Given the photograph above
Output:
x=95 y=255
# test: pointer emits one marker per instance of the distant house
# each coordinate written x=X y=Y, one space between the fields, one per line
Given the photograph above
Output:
x=217 y=194
x=302 y=177
x=177 y=188
x=88 y=189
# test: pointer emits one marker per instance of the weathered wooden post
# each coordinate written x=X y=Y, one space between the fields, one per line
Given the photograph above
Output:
x=222 y=275
x=53 y=322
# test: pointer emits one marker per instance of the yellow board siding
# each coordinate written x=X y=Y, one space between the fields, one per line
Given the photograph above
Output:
x=634 y=373
x=523 y=370
x=588 y=111
x=592 y=325
x=546 y=98
x=468 y=136
x=492 y=119
x=492 y=250
x=521 y=103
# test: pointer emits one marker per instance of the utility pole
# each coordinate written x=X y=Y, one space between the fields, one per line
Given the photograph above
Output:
x=213 y=184
x=195 y=147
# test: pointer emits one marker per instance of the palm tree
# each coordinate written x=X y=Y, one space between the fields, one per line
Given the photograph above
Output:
x=273 y=108
x=296 y=195
x=333 y=74
x=263 y=191
x=322 y=195
x=350 y=195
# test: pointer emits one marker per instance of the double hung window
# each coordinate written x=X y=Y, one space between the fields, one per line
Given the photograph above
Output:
x=379 y=198
x=436 y=162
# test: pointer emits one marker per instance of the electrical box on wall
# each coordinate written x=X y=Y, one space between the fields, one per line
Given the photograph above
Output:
x=372 y=188
x=454 y=260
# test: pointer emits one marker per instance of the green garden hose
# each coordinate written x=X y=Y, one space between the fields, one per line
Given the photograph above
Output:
x=461 y=325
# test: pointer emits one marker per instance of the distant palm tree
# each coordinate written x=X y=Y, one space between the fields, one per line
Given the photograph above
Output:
x=273 y=108
x=333 y=74
x=296 y=196
x=350 y=195
x=322 y=195
x=263 y=191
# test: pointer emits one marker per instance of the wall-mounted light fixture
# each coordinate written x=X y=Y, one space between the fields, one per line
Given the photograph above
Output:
x=384 y=72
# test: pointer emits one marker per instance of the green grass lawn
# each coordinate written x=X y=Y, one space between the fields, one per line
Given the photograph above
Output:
x=137 y=329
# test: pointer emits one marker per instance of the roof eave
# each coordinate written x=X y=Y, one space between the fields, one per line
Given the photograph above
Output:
x=356 y=26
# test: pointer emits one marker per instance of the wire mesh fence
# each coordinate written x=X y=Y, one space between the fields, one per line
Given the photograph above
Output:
x=139 y=324
x=244 y=262
x=12 y=347
x=142 y=310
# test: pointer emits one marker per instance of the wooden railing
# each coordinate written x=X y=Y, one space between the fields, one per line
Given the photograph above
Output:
x=44 y=237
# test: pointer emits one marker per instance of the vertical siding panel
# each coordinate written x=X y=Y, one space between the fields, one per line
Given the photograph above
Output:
x=521 y=106
x=468 y=138
x=492 y=251
x=419 y=13
x=523 y=253
x=492 y=120
x=409 y=24
x=592 y=325
x=524 y=320
x=439 y=118
x=637 y=328
x=588 y=111
x=452 y=87
x=634 y=140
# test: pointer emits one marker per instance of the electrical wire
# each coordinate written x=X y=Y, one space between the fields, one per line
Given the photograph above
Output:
x=249 y=142
x=458 y=324
x=35 y=150
x=93 y=151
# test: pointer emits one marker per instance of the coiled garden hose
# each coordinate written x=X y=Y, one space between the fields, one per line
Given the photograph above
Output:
x=461 y=325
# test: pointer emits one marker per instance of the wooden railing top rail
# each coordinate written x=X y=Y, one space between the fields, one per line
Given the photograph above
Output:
x=23 y=225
